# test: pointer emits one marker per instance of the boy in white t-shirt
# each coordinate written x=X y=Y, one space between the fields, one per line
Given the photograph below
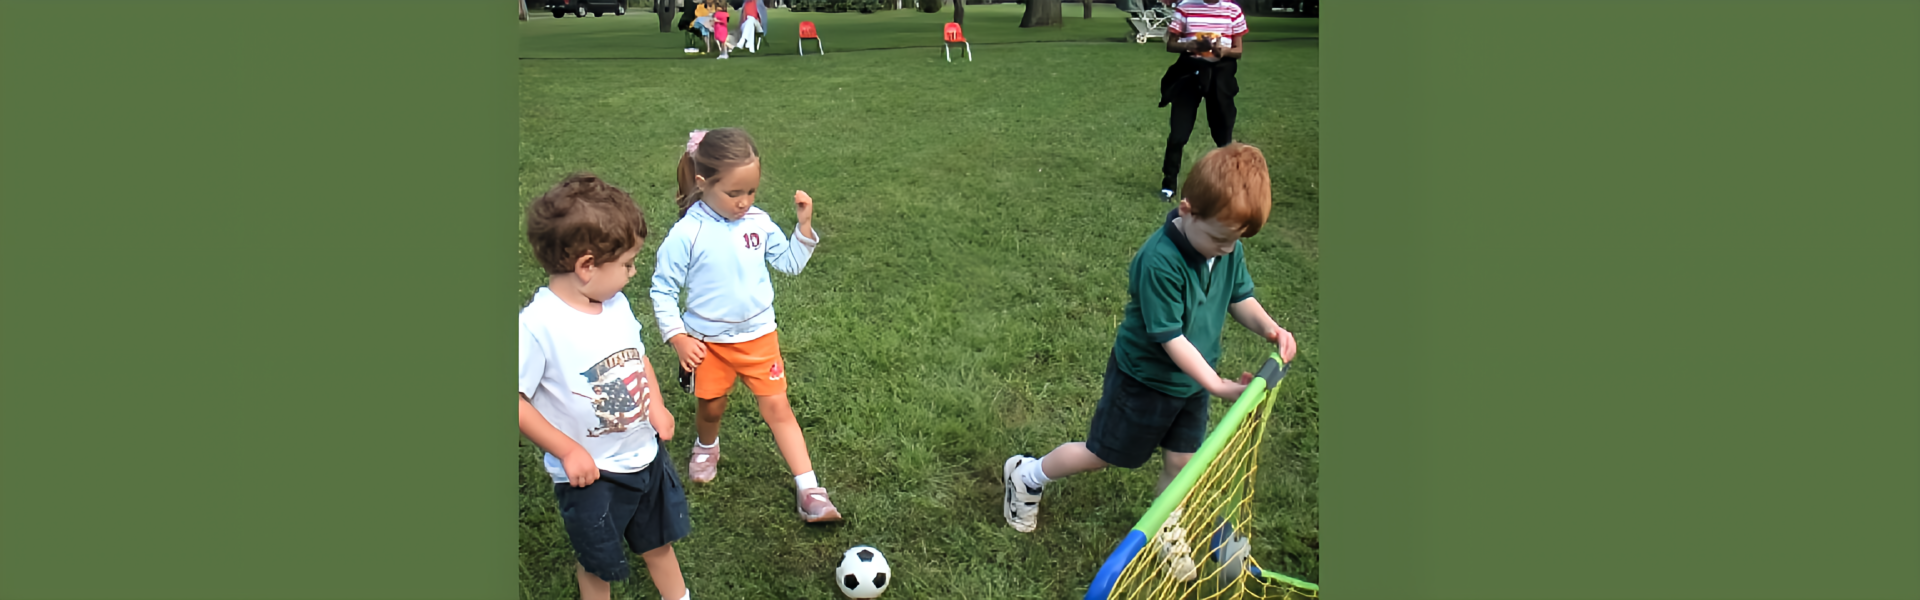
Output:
x=589 y=396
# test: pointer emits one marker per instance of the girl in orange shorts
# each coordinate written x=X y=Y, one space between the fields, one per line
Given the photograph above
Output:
x=718 y=254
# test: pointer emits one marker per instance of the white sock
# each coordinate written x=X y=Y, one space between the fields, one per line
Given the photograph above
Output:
x=1031 y=475
x=685 y=596
x=805 y=480
x=696 y=441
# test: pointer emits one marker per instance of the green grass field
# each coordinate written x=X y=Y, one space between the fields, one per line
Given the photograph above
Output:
x=978 y=220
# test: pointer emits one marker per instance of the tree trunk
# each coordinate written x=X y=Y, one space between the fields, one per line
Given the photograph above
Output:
x=960 y=12
x=664 y=8
x=1042 y=13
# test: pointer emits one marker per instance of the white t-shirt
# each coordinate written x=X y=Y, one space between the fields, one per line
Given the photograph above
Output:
x=584 y=374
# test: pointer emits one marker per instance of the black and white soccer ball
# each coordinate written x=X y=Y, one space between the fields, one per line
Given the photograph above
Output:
x=863 y=573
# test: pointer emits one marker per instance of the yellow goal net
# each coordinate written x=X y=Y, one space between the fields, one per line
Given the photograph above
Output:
x=1194 y=541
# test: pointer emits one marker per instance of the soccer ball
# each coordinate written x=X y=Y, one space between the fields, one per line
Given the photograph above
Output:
x=863 y=573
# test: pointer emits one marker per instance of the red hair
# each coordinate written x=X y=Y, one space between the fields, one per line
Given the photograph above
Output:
x=1230 y=186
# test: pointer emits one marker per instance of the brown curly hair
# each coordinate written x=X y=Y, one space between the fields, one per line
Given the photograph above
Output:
x=583 y=216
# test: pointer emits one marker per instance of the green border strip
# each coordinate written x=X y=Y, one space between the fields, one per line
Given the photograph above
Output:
x=256 y=326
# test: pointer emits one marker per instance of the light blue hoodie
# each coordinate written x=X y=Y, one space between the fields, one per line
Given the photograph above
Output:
x=723 y=267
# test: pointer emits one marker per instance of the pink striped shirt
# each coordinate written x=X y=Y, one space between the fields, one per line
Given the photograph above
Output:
x=1196 y=16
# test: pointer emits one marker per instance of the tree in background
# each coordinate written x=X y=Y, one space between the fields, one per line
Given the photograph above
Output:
x=664 y=8
x=1042 y=13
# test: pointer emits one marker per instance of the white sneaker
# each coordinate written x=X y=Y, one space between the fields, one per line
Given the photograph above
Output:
x=1022 y=506
x=723 y=56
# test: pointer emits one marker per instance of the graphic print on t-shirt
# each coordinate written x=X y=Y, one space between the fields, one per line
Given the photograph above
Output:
x=619 y=392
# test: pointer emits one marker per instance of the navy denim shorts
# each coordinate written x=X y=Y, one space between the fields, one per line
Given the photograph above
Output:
x=643 y=510
x=1133 y=419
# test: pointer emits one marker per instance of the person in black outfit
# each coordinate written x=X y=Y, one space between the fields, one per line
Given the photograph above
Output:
x=1204 y=72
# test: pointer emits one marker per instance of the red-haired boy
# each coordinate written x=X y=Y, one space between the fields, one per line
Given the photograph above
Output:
x=1183 y=283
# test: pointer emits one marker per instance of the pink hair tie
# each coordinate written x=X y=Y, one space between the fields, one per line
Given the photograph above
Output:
x=693 y=140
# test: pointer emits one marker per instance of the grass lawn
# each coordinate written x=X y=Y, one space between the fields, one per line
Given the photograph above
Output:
x=978 y=220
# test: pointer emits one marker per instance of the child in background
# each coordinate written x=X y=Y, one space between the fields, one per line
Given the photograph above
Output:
x=1207 y=34
x=720 y=28
x=718 y=252
x=703 y=24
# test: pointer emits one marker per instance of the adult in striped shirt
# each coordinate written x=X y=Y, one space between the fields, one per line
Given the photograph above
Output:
x=1206 y=34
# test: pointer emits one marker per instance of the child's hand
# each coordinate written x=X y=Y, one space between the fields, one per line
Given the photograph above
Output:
x=803 y=206
x=691 y=351
x=1231 y=390
x=661 y=420
x=581 y=471
x=1284 y=339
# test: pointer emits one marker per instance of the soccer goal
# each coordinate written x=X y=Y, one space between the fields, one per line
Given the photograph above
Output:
x=1194 y=540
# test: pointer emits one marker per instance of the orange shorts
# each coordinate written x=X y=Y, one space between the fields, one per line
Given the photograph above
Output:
x=757 y=360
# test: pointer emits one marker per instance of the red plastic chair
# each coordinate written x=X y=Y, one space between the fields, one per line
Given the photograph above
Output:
x=808 y=33
x=953 y=37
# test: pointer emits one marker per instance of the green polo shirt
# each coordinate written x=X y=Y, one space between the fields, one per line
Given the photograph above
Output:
x=1171 y=292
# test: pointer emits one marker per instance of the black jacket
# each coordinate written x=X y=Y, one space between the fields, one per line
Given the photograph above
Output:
x=1215 y=79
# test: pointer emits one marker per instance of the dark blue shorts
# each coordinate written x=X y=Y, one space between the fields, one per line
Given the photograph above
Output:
x=1133 y=419
x=643 y=510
